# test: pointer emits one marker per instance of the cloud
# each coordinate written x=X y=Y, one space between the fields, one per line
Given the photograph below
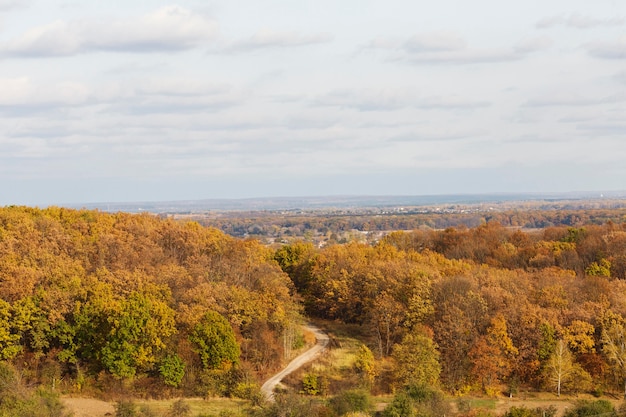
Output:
x=22 y=97
x=608 y=50
x=573 y=99
x=578 y=21
x=605 y=129
x=389 y=100
x=434 y=42
x=533 y=44
x=13 y=4
x=170 y=28
x=449 y=48
x=21 y=94
x=275 y=39
x=437 y=135
x=179 y=87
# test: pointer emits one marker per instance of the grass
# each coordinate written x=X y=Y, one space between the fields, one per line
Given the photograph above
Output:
x=211 y=406
x=486 y=403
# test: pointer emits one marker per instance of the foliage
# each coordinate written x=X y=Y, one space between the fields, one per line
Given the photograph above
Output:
x=179 y=408
x=18 y=400
x=592 y=408
x=215 y=342
x=417 y=400
x=98 y=292
x=125 y=408
x=365 y=365
x=172 y=369
x=417 y=361
x=351 y=401
x=310 y=384
x=528 y=412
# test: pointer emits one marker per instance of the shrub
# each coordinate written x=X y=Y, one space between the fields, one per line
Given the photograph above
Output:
x=592 y=408
x=125 y=408
x=179 y=409
x=351 y=401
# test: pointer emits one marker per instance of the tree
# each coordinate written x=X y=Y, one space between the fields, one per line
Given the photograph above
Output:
x=9 y=341
x=560 y=365
x=614 y=347
x=417 y=360
x=137 y=334
x=580 y=337
x=172 y=369
x=215 y=342
x=365 y=365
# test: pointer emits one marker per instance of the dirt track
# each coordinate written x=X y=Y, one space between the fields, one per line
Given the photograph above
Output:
x=322 y=341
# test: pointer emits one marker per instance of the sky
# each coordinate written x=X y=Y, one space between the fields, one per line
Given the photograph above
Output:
x=153 y=101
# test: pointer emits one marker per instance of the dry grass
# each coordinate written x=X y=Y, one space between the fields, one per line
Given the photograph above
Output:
x=89 y=407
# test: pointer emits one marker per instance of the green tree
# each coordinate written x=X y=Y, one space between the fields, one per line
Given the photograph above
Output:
x=9 y=341
x=172 y=369
x=417 y=360
x=137 y=334
x=215 y=342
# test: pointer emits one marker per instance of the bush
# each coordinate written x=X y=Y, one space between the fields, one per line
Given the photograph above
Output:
x=179 y=409
x=125 y=408
x=592 y=408
x=527 y=412
x=351 y=401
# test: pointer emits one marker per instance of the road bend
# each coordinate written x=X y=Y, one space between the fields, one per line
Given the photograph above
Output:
x=322 y=341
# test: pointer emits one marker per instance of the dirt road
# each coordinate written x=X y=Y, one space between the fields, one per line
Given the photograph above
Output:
x=322 y=341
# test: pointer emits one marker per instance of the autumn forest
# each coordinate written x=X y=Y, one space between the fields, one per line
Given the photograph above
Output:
x=103 y=304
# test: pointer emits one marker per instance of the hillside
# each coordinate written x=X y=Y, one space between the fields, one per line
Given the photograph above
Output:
x=117 y=305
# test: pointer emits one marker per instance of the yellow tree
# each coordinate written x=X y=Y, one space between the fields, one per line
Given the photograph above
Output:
x=560 y=366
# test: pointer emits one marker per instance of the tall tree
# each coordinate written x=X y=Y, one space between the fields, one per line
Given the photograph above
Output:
x=614 y=347
x=560 y=366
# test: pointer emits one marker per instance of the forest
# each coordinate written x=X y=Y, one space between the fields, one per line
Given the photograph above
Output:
x=119 y=304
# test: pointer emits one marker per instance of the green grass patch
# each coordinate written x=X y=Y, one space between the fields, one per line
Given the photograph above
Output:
x=485 y=403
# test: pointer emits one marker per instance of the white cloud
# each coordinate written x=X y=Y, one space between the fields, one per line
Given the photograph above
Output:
x=436 y=41
x=170 y=28
x=438 y=135
x=22 y=92
x=578 y=21
x=388 y=100
x=267 y=38
x=449 y=48
x=477 y=56
x=13 y=4
x=608 y=50
x=574 y=99
x=529 y=45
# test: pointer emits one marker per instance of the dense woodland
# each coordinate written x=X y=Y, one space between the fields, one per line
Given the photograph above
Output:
x=488 y=308
x=88 y=299
x=94 y=302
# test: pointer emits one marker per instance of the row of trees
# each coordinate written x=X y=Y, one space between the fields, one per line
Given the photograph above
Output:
x=591 y=249
x=279 y=225
x=87 y=298
x=471 y=325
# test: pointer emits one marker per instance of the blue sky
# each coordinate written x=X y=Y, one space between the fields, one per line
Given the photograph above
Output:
x=151 y=100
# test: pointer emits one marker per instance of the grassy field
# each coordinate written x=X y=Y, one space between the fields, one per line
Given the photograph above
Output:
x=87 y=407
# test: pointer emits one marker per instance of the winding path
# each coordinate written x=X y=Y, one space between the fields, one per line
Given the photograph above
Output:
x=322 y=341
